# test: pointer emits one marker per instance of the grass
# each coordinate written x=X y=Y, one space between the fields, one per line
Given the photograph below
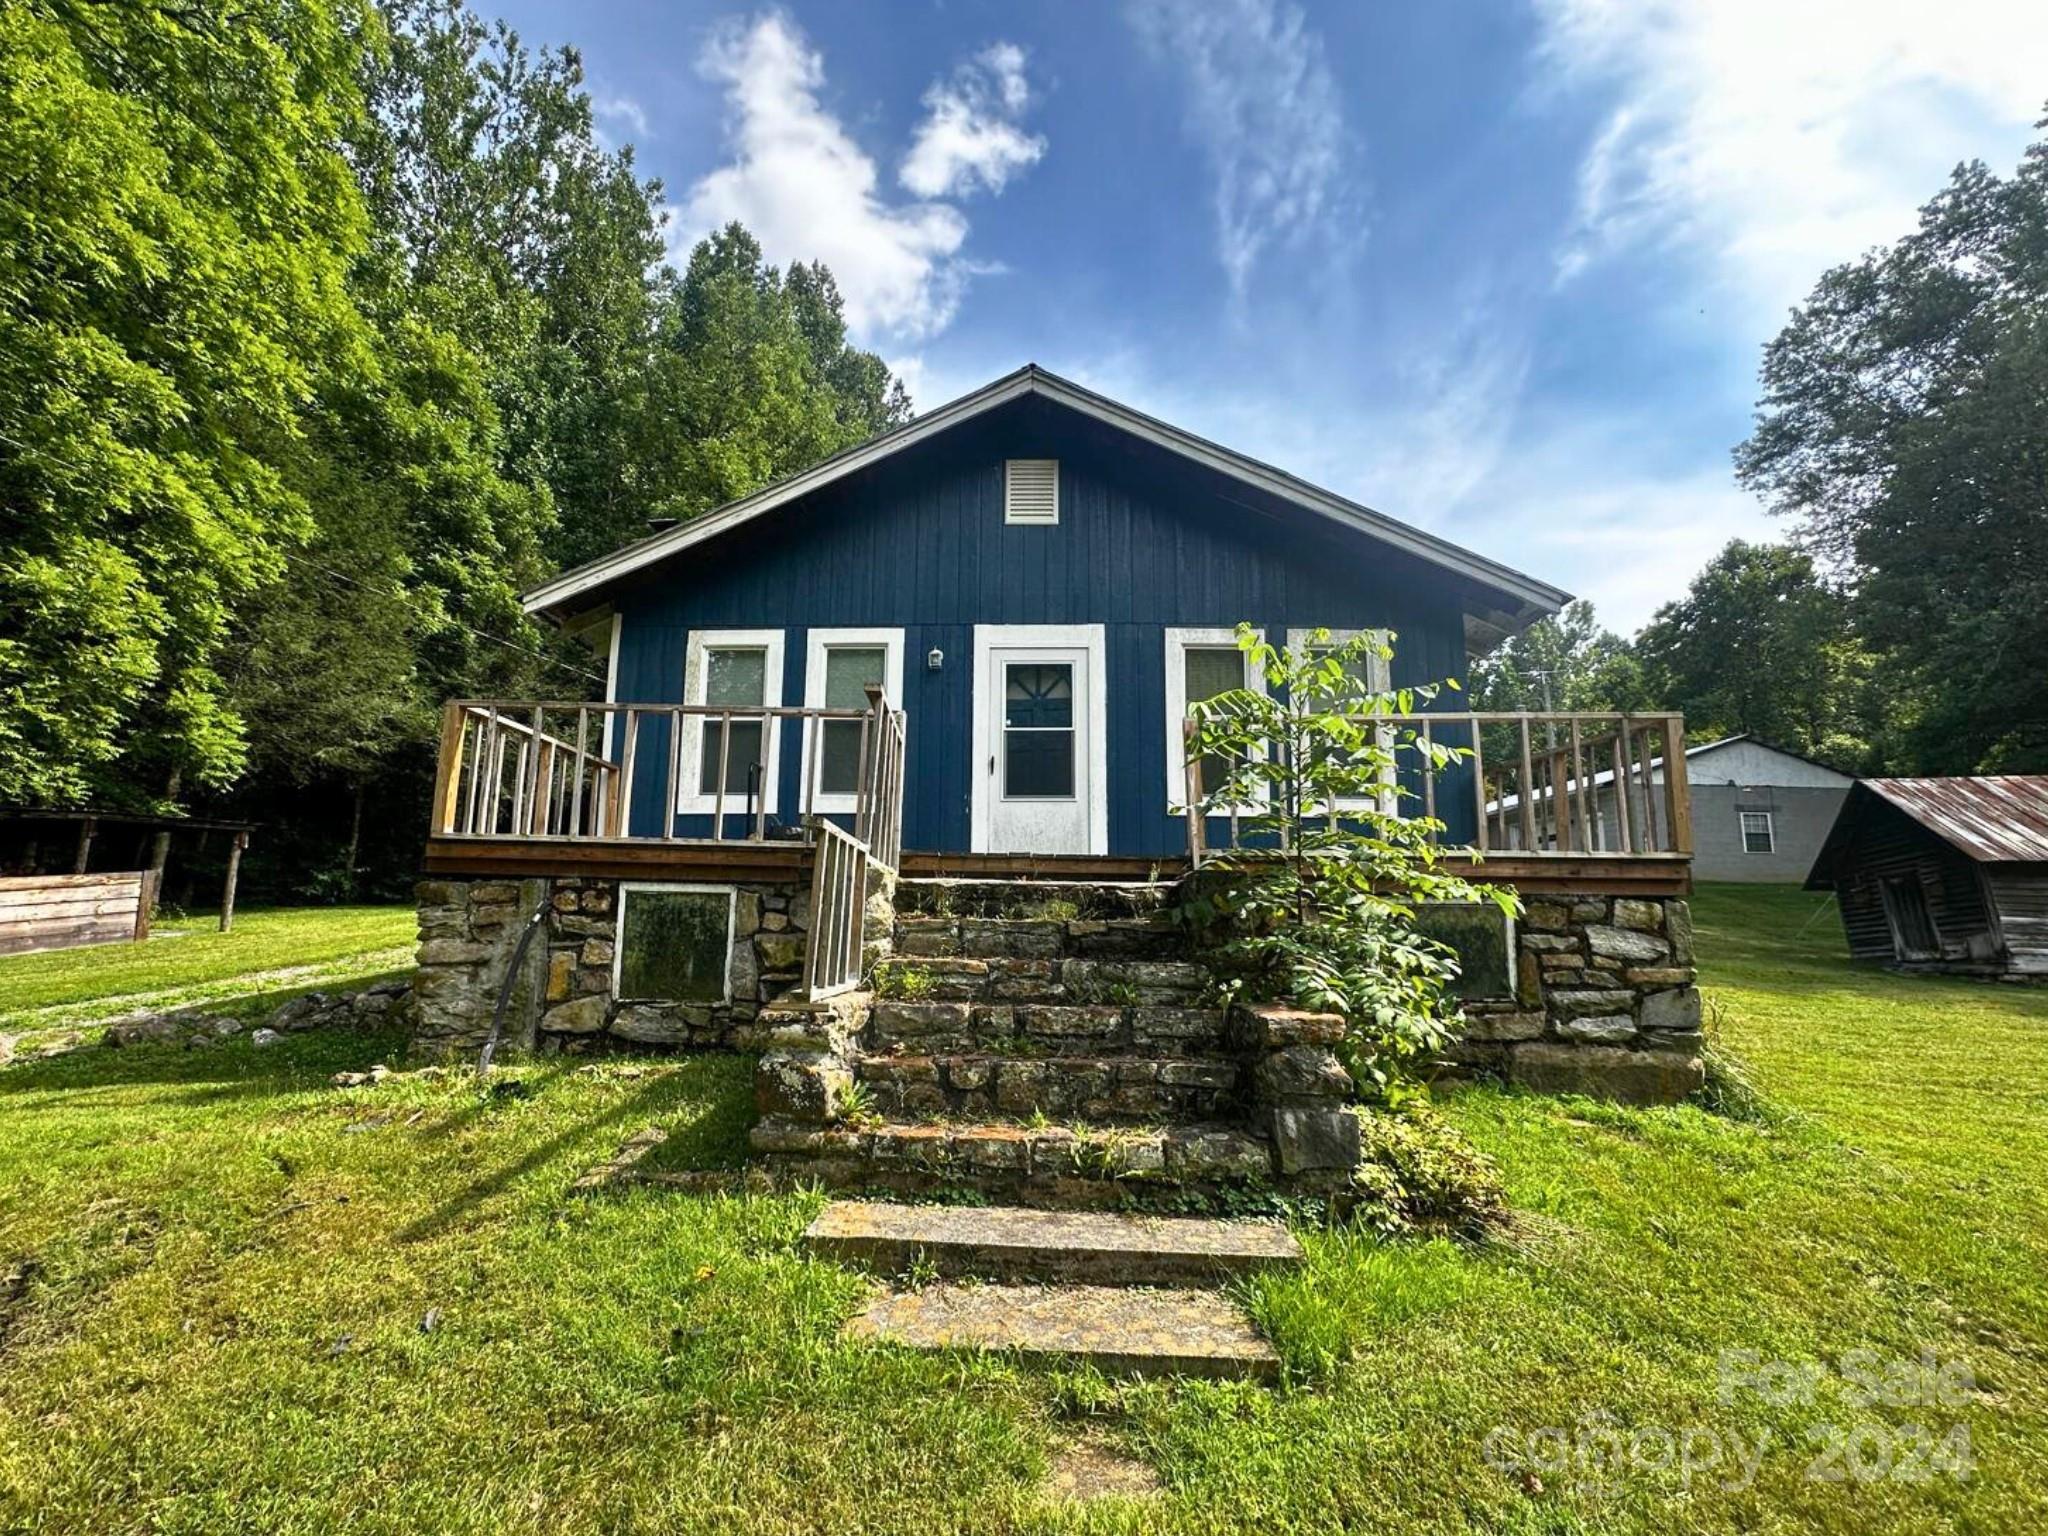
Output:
x=216 y=1275
x=189 y=962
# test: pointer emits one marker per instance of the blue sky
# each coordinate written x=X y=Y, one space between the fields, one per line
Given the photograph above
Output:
x=1501 y=270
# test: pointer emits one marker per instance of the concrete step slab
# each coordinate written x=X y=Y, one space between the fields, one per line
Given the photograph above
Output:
x=1060 y=899
x=1008 y=1242
x=1120 y=1331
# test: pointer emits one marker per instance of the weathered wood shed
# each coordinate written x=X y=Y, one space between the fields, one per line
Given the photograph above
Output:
x=1943 y=874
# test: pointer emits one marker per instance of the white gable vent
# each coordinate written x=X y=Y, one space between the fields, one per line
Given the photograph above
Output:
x=1031 y=491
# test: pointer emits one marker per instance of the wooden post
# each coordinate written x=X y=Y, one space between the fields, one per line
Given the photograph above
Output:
x=448 y=766
x=1578 y=779
x=1191 y=772
x=1677 y=785
x=1621 y=790
x=1528 y=816
x=1479 y=784
x=145 y=903
x=227 y=893
x=85 y=831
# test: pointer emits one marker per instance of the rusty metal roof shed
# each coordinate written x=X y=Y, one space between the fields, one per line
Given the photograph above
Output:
x=1993 y=820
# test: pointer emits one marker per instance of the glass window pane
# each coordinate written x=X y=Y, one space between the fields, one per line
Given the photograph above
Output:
x=735 y=677
x=1038 y=764
x=1210 y=672
x=839 y=772
x=746 y=751
x=1039 y=695
x=673 y=945
x=1478 y=936
x=849 y=671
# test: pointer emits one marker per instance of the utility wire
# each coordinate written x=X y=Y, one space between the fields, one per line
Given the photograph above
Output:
x=468 y=629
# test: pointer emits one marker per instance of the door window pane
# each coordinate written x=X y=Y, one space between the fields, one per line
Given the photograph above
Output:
x=673 y=945
x=733 y=678
x=1039 y=695
x=1038 y=730
x=1206 y=672
x=849 y=671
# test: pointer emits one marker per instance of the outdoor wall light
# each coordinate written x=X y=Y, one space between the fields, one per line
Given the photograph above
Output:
x=934 y=659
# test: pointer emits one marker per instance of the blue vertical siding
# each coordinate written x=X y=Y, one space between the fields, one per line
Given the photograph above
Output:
x=918 y=542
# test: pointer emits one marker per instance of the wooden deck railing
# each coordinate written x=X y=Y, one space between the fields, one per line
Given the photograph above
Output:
x=570 y=770
x=837 y=941
x=1568 y=783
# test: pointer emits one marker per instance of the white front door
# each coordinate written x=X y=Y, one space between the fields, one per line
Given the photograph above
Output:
x=1036 y=703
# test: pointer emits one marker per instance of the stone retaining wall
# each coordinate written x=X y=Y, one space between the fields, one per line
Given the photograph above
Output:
x=1604 y=1002
x=562 y=999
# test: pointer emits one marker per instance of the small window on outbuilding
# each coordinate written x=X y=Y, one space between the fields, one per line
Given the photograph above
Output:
x=1482 y=937
x=674 y=943
x=1756 y=833
x=1031 y=491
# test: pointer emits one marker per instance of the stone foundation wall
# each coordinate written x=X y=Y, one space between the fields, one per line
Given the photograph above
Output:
x=1604 y=1002
x=562 y=999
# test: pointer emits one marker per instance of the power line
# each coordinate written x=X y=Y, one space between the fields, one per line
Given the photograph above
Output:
x=468 y=629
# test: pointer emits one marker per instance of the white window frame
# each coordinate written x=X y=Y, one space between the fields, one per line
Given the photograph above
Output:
x=1032 y=522
x=1379 y=677
x=690 y=800
x=816 y=644
x=1770 y=833
x=628 y=887
x=1178 y=643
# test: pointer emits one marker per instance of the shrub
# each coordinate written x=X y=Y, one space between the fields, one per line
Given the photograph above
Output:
x=1321 y=909
x=1418 y=1172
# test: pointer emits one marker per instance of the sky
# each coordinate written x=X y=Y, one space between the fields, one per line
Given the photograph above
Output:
x=1501 y=270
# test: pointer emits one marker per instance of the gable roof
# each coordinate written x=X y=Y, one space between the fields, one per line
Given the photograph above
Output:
x=1989 y=820
x=1529 y=599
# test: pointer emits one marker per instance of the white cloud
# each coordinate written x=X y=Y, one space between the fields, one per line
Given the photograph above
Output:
x=807 y=190
x=622 y=109
x=1263 y=106
x=971 y=135
x=1780 y=137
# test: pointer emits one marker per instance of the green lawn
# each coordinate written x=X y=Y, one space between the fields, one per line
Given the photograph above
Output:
x=186 y=962
x=216 y=1271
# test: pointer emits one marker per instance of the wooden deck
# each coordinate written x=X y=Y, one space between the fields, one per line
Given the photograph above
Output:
x=735 y=860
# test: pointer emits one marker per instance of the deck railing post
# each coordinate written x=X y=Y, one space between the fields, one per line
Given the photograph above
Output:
x=1677 y=785
x=447 y=778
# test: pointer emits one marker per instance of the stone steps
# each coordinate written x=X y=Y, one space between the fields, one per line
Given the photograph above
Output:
x=1016 y=1243
x=1121 y=1332
x=953 y=1028
x=1048 y=1166
x=1061 y=899
x=1115 y=938
x=1103 y=1088
x=1126 y=983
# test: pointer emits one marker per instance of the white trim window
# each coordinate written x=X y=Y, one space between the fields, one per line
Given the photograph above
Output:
x=740 y=668
x=838 y=666
x=1200 y=663
x=668 y=950
x=1031 y=491
x=1758 y=836
x=1379 y=678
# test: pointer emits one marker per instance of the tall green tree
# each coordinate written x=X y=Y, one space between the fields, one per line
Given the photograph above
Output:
x=1904 y=422
x=1568 y=662
x=1759 y=644
x=176 y=231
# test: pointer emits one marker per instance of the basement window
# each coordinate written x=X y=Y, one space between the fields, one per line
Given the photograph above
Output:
x=1482 y=937
x=1031 y=491
x=1756 y=832
x=674 y=943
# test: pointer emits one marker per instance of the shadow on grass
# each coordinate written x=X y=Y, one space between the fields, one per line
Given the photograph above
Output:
x=709 y=1095
x=234 y=1066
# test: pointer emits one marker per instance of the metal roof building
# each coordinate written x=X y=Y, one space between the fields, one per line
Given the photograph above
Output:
x=1944 y=874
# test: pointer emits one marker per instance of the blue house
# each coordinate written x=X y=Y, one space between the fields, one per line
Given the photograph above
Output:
x=919 y=712
x=1042 y=579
